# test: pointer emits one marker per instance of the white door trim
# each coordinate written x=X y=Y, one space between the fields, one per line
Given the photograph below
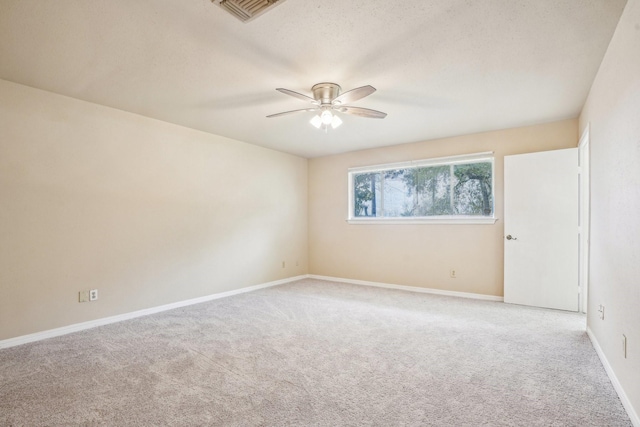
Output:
x=584 y=216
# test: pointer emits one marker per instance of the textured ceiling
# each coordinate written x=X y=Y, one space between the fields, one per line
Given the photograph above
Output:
x=441 y=67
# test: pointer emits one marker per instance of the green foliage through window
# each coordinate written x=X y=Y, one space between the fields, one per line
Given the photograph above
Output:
x=449 y=189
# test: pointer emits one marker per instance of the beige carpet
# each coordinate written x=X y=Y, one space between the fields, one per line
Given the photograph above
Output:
x=315 y=353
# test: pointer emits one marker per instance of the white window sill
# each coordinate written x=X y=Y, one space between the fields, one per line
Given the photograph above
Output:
x=435 y=220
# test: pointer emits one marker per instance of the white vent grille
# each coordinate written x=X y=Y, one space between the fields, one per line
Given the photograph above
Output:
x=246 y=10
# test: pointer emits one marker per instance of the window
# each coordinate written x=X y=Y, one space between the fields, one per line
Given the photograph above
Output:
x=451 y=189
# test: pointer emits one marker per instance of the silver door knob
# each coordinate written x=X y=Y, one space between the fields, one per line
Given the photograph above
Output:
x=510 y=237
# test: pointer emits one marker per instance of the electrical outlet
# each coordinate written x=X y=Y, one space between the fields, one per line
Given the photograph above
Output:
x=452 y=273
x=601 y=311
x=93 y=294
x=624 y=346
x=83 y=296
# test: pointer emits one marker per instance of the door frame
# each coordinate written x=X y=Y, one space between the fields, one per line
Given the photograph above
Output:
x=584 y=216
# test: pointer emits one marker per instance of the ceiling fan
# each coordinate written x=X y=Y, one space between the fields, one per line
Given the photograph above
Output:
x=327 y=100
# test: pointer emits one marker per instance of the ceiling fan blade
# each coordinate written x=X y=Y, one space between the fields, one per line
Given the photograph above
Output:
x=297 y=95
x=362 y=112
x=354 y=94
x=293 y=111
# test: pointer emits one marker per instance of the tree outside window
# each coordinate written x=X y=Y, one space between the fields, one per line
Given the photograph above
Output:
x=453 y=189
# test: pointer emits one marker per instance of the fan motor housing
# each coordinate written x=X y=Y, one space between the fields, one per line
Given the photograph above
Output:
x=325 y=92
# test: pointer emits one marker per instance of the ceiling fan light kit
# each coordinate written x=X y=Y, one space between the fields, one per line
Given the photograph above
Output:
x=325 y=120
x=328 y=100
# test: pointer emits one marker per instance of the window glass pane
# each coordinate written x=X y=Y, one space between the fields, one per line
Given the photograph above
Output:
x=472 y=192
x=367 y=195
x=397 y=197
x=433 y=189
x=449 y=189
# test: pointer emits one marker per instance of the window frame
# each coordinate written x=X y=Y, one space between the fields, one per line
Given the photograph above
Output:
x=439 y=219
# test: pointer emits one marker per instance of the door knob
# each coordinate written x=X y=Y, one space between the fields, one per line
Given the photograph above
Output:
x=510 y=237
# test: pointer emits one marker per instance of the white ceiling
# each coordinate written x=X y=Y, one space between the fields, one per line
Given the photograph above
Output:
x=441 y=67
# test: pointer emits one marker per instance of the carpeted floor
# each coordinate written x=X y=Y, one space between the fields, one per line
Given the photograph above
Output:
x=315 y=353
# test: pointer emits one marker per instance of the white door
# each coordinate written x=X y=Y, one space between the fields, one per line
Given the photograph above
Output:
x=541 y=229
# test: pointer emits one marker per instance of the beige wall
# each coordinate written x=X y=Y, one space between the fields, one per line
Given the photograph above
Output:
x=147 y=212
x=418 y=255
x=613 y=112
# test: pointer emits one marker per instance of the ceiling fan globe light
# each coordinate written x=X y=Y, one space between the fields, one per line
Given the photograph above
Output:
x=326 y=117
x=335 y=122
x=316 y=121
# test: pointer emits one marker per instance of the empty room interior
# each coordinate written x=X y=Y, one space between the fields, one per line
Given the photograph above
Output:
x=320 y=212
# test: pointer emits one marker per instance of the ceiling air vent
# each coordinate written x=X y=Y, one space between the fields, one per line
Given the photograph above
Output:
x=246 y=10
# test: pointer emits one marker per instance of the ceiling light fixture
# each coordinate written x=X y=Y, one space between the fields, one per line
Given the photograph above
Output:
x=326 y=119
x=316 y=121
x=335 y=122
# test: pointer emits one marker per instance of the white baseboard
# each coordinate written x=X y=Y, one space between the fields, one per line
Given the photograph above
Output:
x=633 y=415
x=409 y=288
x=12 y=342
